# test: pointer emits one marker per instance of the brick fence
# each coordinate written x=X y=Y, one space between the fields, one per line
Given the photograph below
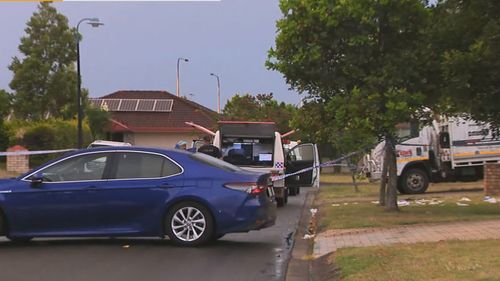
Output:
x=17 y=163
x=492 y=179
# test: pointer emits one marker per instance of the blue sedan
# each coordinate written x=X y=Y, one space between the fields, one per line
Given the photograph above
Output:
x=192 y=198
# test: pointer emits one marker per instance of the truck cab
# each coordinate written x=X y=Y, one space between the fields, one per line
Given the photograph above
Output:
x=449 y=149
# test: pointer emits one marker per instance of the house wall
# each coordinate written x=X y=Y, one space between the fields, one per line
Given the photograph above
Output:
x=166 y=140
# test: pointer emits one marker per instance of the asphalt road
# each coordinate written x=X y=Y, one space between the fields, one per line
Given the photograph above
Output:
x=257 y=255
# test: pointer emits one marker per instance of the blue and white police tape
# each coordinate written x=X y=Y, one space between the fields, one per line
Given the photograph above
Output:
x=330 y=163
x=35 y=152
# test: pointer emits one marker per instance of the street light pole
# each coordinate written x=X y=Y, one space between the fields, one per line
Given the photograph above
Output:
x=218 y=91
x=177 y=80
x=94 y=22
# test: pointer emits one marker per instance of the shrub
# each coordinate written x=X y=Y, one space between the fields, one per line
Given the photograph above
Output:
x=50 y=134
x=40 y=137
x=4 y=139
x=98 y=120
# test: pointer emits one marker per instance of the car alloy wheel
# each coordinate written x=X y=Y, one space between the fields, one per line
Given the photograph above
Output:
x=189 y=224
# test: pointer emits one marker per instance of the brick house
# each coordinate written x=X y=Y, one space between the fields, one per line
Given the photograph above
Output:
x=153 y=118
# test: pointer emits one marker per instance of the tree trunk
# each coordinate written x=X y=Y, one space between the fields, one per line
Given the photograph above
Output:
x=391 y=198
x=356 y=189
x=383 y=176
x=353 y=175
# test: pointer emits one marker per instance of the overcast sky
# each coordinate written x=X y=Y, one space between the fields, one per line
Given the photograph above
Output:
x=138 y=47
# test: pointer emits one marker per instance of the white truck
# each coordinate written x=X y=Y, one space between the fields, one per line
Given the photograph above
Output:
x=258 y=146
x=449 y=149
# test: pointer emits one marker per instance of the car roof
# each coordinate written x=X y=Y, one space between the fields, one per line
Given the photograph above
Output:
x=168 y=152
x=132 y=148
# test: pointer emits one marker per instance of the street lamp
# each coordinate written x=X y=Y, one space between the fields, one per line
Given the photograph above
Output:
x=218 y=91
x=177 y=81
x=94 y=22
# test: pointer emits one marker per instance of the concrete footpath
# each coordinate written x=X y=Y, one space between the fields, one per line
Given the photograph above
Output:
x=330 y=241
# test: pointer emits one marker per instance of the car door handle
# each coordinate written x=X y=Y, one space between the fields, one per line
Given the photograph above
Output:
x=91 y=187
x=165 y=185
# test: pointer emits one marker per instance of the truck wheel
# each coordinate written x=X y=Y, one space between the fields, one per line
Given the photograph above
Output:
x=280 y=202
x=400 y=187
x=414 y=181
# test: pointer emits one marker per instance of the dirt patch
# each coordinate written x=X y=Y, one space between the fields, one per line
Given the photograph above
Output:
x=323 y=269
x=339 y=232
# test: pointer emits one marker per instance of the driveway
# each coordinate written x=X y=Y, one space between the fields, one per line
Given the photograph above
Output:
x=258 y=255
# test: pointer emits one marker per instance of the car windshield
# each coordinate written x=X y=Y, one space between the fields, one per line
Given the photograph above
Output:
x=214 y=162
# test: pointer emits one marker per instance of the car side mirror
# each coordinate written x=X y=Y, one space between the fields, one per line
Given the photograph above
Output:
x=37 y=179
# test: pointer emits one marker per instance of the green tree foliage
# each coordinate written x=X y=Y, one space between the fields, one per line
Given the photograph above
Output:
x=465 y=37
x=5 y=103
x=315 y=122
x=44 y=78
x=5 y=100
x=98 y=120
x=262 y=107
x=361 y=59
x=47 y=135
x=4 y=136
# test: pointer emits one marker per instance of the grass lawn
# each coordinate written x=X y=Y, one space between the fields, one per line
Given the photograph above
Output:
x=445 y=260
x=340 y=207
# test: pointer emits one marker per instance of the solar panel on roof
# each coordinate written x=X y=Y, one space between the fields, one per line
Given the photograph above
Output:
x=146 y=105
x=96 y=102
x=127 y=105
x=134 y=105
x=164 y=105
x=112 y=104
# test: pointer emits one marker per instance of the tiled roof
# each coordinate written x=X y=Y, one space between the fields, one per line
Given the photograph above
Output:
x=183 y=110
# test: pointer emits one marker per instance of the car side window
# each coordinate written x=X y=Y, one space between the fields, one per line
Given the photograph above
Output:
x=169 y=168
x=135 y=165
x=80 y=168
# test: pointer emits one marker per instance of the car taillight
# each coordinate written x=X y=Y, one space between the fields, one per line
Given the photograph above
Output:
x=248 y=187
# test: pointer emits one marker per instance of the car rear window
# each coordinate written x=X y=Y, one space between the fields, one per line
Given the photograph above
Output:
x=214 y=162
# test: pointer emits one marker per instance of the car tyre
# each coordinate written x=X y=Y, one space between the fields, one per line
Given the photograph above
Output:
x=217 y=237
x=282 y=201
x=2 y=224
x=20 y=240
x=413 y=181
x=189 y=224
x=293 y=190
